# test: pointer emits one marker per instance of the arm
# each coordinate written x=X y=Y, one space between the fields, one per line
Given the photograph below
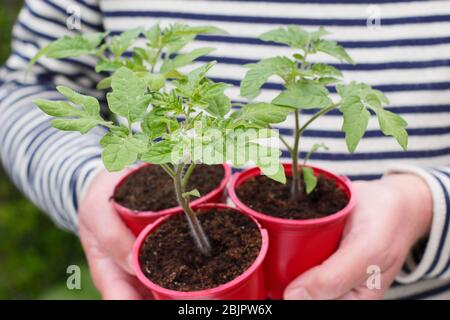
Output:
x=52 y=168
x=62 y=172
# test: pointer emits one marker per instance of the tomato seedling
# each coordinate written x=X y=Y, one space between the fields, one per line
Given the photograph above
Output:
x=305 y=87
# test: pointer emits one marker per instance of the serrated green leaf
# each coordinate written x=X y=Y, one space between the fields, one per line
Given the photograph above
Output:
x=83 y=125
x=155 y=126
x=259 y=73
x=219 y=105
x=184 y=59
x=81 y=120
x=293 y=36
x=90 y=104
x=310 y=179
x=106 y=65
x=333 y=49
x=128 y=98
x=318 y=34
x=153 y=36
x=211 y=89
x=196 y=30
x=58 y=108
x=262 y=114
x=159 y=153
x=120 y=43
x=121 y=149
x=156 y=82
x=304 y=96
x=116 y=157
x=356 y=119
x=324 y=70
x=393 y=125
x=75 y=46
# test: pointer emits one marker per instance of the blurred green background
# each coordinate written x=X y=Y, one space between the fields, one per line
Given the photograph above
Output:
x=34 y=254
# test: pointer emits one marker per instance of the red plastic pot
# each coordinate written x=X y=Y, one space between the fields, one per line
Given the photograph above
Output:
x=138 y=220
x=295 y=245
x=247 y=286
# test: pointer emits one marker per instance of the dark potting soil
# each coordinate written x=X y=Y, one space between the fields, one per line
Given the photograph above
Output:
x=169 y=257
x=272 y=198
x=151 y=188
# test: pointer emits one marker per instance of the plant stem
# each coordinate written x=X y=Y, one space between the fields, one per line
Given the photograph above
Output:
x=188 y=174
x=168 y=170
x=296 y=185
x=198 y=233
x=317 y=115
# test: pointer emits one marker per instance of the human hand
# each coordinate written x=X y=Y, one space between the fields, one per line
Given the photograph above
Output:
x=107 y=242
x=390 y=216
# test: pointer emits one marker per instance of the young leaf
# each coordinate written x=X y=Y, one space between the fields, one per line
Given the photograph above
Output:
x=189 y=30
x=74 y=46
x=116 y=157
x=153 y=36
x=155 y=126
x=81 y=120
x=128 y=98
x=120 y=43
x=106 y=65
x=58 y=108
x=182 y=60
x=278 y=175
x=326 y=71
x=268 y=160
x=304 y=95
x=310 y=179
x=156 y=82
x=218 y=105
x=83 y=125
x=193 y=193
x=293 y=36
x=104 y=83
x=262 y=114
x=356 y=119
x=259 y=73
x=393 y=125
x=333 y=49
x=90 y=104
x=121 y=149
x=159 y=153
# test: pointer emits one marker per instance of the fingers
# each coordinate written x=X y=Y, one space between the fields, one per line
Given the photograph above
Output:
x=98 y=217
x=343 y=271
x=114 y=238
x=112 y=282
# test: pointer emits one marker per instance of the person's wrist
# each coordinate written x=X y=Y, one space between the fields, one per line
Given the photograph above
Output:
x=415 y=199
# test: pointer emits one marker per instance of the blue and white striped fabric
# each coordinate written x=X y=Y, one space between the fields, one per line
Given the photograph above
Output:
x=407 y=57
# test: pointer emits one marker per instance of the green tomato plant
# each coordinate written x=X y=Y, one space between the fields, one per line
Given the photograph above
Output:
x=182 y=124
x=305 y=87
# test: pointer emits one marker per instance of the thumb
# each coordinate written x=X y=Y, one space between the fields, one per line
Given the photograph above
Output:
x=336 y=276
x=116 y=239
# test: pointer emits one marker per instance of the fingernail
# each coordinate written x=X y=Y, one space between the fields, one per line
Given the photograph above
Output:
x=130 y=264
x=297 y=293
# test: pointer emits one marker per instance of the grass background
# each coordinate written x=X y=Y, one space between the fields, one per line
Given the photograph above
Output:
x=34 y=254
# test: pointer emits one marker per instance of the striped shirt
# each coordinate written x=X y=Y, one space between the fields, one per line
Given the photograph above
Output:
x=401 y=47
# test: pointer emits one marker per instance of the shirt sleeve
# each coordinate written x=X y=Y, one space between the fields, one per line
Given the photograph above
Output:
x=51 y=167
x=430 y=258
